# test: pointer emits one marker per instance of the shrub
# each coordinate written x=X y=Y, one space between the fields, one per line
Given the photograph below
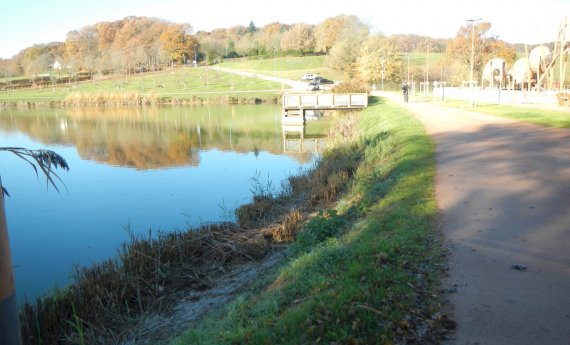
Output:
x=353 y=85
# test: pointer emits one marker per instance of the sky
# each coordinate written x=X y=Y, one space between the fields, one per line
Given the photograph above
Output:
x=27 y=22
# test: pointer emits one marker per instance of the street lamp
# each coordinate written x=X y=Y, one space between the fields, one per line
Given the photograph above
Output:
x=408 y=81
x=471 y=81
x=382 y=69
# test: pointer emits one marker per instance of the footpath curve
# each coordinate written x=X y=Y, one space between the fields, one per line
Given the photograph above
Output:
x=503 y=190
x=293 y=84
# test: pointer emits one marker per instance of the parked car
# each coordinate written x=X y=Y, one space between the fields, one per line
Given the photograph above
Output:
x=308 y=76
x=322 y=80
x=313 y=86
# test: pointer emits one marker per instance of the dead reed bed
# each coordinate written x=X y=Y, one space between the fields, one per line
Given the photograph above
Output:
x=149 y=273
x=111 y=99
x=80 y=99
x=144 y=277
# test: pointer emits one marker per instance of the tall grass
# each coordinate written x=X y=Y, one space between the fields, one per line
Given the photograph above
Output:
x=362 y=271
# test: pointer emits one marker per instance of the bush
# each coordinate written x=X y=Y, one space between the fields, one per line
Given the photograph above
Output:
x=351 y=86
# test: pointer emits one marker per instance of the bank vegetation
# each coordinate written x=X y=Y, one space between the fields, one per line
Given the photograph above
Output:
x=360 y=262
x=150 y=274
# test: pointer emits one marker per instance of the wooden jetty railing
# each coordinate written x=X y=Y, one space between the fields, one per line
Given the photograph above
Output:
x=295 y=105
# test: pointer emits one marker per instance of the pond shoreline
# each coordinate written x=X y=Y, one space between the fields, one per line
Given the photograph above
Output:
x=149 y=275
x=351 y=240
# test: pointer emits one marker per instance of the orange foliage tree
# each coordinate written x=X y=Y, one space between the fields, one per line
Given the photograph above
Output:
x=458 y=52
x=178 y=43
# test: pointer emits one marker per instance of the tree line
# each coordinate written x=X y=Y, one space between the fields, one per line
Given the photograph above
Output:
x=139 y=43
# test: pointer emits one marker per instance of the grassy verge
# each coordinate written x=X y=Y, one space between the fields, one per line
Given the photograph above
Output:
x=180 y=85
x=288 y=67
x=541 y=117
x=363 y=272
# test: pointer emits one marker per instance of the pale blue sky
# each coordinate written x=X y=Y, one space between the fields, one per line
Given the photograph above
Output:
x=26 y=22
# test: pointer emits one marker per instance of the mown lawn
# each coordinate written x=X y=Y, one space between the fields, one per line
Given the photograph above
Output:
x=182 y=82
x=541 y=117
x=419 y=59
x=363 y=272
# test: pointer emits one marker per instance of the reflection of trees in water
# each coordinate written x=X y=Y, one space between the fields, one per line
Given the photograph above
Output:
x=147 y=138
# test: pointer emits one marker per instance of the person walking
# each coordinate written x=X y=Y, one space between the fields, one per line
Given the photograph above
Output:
x=405 y=91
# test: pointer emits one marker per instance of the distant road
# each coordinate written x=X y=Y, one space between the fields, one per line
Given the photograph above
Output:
x=293 y=84
x=503 y=190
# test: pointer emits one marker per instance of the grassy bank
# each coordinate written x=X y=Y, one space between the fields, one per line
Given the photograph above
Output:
x=541 y=117
x=362 y=272
x=360 y=269
x=180 y=85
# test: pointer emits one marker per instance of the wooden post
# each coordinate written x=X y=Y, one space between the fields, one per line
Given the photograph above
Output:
x=9 y=324
x=563 y=54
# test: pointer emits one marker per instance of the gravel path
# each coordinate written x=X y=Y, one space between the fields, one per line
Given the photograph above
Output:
x=503 y=189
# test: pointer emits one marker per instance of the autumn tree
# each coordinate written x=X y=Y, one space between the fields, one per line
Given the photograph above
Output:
x=503 y=50
x=328 y=32
x=178 y=43
x=247 y=45
x=5 y=69
x=300 y=38
x=270 y=36
x=457 y=55
x=147 y=42
x=82 y=47
x=376 y=51
x=344 y=53
x=37 y=59
x=410 y=43
x=214 y=45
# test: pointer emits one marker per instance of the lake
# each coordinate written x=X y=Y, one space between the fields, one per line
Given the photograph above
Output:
x=139 y=170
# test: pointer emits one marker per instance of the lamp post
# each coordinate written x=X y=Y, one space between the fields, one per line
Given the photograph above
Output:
x=408 y=69
x=426 y=81
x=382 y=69
x=471 y=81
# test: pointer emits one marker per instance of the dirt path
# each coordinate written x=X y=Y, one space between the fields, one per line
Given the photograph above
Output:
x=503 y=188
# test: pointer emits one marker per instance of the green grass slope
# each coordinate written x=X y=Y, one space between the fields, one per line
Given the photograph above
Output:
x=181 y=83
x=363 y=272
x=288 y=67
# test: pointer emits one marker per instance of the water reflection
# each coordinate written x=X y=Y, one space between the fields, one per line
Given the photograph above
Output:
x=157 y=168
x=157 y=137
x=296 y=140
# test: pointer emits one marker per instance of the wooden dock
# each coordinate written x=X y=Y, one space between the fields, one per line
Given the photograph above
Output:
x=295 y=105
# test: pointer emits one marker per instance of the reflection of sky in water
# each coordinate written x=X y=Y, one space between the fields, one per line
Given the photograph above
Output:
x=49 y=232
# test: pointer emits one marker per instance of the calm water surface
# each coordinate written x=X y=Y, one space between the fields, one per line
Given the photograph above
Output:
x=133 y=168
